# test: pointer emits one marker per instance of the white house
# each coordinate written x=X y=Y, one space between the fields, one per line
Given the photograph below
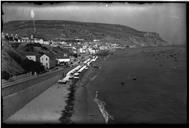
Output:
x=81 y=50
x=95 y=40
x=48 y=61
x=45 y=60
x=25 y=39
x=103 y=47
x=63 y=43
x=31 y=57
x=36 y=40
x=92 y=51
x=46 y=42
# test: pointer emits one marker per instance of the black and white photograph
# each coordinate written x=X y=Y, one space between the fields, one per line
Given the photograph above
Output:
x=93 y=62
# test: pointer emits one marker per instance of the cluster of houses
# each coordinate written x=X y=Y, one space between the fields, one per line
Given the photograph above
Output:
x=48 y=61
x=95 y=46
x=78 y=46
x=18 y=39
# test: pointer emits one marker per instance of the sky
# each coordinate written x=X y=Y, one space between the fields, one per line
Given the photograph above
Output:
x=167 y=19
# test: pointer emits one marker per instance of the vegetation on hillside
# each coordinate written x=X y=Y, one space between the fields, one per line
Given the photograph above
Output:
x=14 y=63
x=8 y=63
x=51 y=29
x=27 y=65
x=14 y=60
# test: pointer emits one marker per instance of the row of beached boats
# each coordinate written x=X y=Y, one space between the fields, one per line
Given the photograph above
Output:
x=74 y=73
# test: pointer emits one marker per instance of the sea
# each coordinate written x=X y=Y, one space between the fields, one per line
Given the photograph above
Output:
x=143 y=85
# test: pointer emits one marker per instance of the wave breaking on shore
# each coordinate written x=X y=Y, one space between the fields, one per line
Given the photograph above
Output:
x=101 y=105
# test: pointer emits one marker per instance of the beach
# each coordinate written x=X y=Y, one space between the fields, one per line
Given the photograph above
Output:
x=85 y=109
x=139 y=85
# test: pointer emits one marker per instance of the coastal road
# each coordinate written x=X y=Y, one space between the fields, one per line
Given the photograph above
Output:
x=16 y=96
x=7 y=90
x=45 y=108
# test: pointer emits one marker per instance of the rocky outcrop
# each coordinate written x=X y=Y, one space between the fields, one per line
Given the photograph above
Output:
x=148 y=39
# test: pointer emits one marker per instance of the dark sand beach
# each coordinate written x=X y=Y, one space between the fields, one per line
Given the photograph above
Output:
x=85 y=109
x=139 y=85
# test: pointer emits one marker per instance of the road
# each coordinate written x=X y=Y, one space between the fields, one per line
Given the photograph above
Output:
x=47 y=107
x=16 y=96
x=25 y=84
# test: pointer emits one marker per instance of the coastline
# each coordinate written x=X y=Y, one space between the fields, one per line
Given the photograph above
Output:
x=86 y=109
x=80 y=105
x=135 y=85
x=147 y=101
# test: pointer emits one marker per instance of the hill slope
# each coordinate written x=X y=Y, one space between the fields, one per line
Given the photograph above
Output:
x=14 y=60
x=51 y=29
x=9 y=65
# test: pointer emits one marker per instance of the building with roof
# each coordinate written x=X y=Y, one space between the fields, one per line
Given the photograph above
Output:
x=25 y=39
x=48 y=61
x=32 y=57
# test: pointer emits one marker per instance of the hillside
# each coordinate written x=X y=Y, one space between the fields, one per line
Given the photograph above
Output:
x=14 y=60
x=51 y=29
x=8 y=64
x=39 y=49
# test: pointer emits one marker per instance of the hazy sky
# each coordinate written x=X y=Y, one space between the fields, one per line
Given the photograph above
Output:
x=167 y=19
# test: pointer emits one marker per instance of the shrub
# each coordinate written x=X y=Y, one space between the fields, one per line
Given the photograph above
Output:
x=32 y=66
x=5 y=75
x=31 y=45
x=29 y=48
x=26 y=64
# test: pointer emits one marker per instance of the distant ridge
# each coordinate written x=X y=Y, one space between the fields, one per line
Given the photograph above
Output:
x=51 y=29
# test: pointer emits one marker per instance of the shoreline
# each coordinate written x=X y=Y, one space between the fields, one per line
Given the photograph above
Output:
x=138 y=84
x=80 y=105
x=86 y=110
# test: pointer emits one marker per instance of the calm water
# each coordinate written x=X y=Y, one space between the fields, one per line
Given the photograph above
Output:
x=143 y=86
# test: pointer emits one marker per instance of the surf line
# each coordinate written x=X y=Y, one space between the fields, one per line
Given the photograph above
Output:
x=101 y=105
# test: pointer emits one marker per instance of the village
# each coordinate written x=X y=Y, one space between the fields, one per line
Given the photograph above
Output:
x=79 y=47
